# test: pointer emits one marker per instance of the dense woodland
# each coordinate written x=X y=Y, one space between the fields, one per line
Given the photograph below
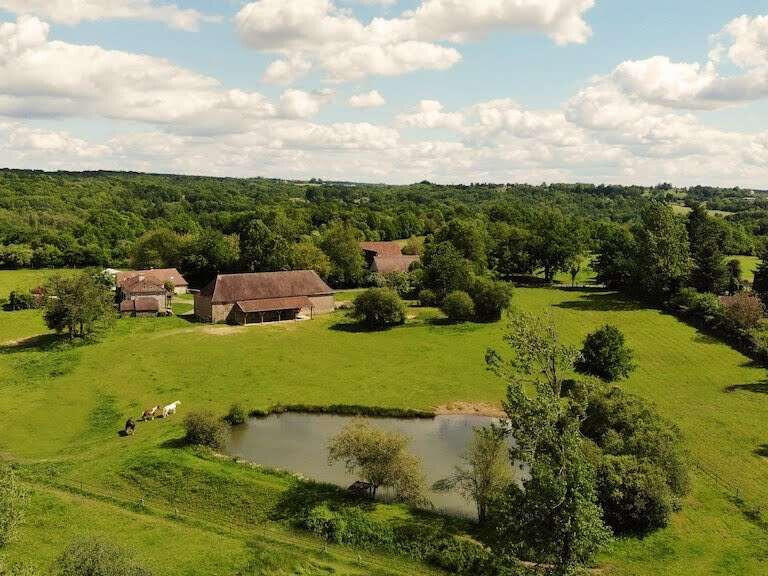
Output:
x=209 y=225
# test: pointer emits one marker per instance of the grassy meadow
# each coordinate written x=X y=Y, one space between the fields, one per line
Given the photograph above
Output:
x=61 y=408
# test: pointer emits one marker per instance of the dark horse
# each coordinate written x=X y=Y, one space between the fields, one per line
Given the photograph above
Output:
x=130 y=427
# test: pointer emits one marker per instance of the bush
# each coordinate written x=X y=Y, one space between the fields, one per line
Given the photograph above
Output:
x=379 y=308
x=13 y=499
x=236 y=415
x=491 y=298
x=743 y=310
x=634 y=494
x=605 y=355
x=458 y=306
x=204 y=429
x=428 y=297
x=20 y=301
x=93 y=557
x=630 y=489
x=704 y=305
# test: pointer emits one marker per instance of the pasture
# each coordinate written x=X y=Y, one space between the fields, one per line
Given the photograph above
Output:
x=61 y=407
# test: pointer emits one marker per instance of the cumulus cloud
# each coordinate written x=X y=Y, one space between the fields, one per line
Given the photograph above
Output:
x=76 y=11
x=430 y=114
x=301 y=104
x=742 y=43
x=370 y=99
x=40 y=77
x=348 y=49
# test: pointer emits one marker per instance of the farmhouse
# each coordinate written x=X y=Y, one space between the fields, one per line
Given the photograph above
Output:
x=140 y=306
x=141 y=295
x=162 y=275
x=263 y=297
x=386 y=257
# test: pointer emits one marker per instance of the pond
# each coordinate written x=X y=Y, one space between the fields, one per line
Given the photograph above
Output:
x=299 y=443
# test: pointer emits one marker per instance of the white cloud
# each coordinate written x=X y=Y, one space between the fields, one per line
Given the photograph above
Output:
x=658 y=80
x=40 y=77
x=429 y=114
x=348 y=49
x=300 y=104
x=286 y=71
x=370 y=99
x=75 y=11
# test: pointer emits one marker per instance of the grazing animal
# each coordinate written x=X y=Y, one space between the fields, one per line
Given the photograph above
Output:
x=170 y=408
x=149 y=413
x=130 y=427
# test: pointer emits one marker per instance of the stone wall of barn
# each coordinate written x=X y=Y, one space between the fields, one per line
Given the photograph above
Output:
x=322 y=304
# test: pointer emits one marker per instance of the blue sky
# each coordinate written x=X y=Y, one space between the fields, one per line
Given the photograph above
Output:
x=566 y=90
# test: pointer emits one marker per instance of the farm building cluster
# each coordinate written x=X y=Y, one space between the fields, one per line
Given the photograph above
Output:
x=250 y=298
x=148 y=292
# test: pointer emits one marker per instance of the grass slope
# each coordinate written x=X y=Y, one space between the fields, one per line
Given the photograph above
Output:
x=60 y=410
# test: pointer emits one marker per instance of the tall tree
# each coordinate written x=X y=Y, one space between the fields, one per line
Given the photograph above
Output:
x=554 y=517
x=342 y=245
x=709 y=272
x=485 y=471
x=470 y=238
x=445 y=269
x=663 y=259
x=79 y=305
x=616 y=255
x=556 y=242
x=263 y=249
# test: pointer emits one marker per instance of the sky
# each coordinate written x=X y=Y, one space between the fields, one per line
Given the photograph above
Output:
x=396 y=91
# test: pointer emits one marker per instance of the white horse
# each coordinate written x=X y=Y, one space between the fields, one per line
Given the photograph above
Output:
x=170 y=408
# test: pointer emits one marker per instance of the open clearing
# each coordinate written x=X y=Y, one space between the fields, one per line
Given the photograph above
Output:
x=60 y=409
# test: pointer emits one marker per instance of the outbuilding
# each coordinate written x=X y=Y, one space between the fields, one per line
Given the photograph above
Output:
x=263 y=297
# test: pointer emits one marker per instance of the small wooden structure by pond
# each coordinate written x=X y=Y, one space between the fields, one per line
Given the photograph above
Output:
x=361 y=488
x=271 y=309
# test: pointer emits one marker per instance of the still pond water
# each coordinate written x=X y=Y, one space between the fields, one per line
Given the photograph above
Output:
x=299 y=443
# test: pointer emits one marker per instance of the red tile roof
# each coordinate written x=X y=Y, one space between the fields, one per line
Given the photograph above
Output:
x=142 y=285
x=142 y=304
x=387 y=264
x=230 y=288
x=162 y=275
x=382 y=248
x=273 y=304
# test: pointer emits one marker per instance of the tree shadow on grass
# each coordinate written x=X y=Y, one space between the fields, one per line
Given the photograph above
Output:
x=41 y=343
x=601 y=301
x=756 y=387
x=359 y=328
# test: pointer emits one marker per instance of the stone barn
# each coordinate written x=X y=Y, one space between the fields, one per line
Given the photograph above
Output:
x=263 y=297
x=144 y=288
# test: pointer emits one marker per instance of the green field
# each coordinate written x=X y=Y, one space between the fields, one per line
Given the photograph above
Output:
x=60 y=409
x=748 y=266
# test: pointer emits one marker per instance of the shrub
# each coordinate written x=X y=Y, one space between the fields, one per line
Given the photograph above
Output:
x=236 y=415
x=428 y=297
x=743 y=310
x=204 y=429
x=624 y=425
x=605 y=355
x=702 y=304
x=634 y=494
x=491 y=298
x=458 y=306
x=13 y=499
x=20 y=301
x=93 y=557
x=379 y=308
